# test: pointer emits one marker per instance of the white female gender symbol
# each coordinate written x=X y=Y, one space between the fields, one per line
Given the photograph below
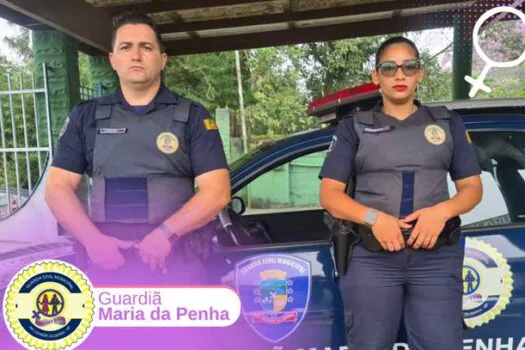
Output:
x=477 y=84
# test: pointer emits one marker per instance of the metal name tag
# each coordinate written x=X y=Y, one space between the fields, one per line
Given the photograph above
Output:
x=376 y=130
x=112 y=131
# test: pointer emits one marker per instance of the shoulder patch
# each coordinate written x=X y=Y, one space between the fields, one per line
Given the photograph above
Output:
x=66 y=122
x=209 y=124
x=467 y=135
x=332 y=144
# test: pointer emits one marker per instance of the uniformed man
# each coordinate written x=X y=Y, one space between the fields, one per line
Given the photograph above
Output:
x=145 y=149
x=408 y=260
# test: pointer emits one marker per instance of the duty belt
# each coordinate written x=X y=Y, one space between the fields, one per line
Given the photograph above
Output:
x=450 y=235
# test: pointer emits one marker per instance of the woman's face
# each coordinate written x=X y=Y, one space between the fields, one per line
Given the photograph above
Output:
x=398 y=84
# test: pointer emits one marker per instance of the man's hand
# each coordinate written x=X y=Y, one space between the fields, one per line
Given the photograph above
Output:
x=430 y=223
x=104 y=252
x=387 y=230
x=154 y=249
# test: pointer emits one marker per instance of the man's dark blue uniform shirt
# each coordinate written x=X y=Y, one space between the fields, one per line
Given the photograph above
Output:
x=76 y=144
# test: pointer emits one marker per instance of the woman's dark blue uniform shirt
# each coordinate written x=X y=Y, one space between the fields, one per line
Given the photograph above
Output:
x=340 y=160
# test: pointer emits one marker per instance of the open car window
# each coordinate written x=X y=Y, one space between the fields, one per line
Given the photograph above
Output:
x=293 y=186
x=502 y=159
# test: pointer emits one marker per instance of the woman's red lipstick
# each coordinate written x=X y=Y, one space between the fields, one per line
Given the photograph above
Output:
x=400 y=87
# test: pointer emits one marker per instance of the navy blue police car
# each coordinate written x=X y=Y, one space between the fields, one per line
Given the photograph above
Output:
x=280 y=260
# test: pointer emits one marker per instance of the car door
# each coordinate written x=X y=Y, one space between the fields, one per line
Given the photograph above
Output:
x=494 y=266
x=288 y=287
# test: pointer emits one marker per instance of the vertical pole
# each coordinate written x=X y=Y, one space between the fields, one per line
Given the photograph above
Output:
x=243 y=119
x=37 y=128
x=26 y=143
x=462 y=57
x=241 y=102
x=15 y=143
x=4 y=158
x=48 y=112
x=60 y=54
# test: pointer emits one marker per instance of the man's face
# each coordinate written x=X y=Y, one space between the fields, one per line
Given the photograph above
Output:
x=136 y=55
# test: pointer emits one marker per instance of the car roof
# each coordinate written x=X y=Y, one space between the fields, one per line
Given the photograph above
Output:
x=468 y=109
x=476 y=106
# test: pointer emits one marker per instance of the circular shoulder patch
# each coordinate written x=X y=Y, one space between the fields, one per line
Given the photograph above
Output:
x=435 y=134
x=487 y=283
x=167 y=143
x=49 y=305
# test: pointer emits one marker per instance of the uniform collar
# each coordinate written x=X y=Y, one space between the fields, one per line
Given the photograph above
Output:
x=379 y=105
x=367 y=117
x=164 y=96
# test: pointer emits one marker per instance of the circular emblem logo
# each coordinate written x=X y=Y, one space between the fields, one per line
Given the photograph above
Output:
x=49 y=305
x=167 y=143
x=487 y=283
x=435 y=134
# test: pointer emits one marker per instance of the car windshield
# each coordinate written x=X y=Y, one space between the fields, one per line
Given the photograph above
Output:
x=239 y=162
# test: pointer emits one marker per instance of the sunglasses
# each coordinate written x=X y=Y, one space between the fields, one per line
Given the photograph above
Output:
x=389 y=68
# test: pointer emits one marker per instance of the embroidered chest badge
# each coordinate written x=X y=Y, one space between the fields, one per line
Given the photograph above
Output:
x=435 y=134
x=167 y=143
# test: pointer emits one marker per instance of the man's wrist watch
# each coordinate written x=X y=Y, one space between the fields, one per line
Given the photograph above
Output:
x=370 y=217
x=168 y=232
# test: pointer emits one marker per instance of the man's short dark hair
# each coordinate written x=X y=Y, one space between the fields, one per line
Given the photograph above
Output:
x=134 y=18
x=395 y=40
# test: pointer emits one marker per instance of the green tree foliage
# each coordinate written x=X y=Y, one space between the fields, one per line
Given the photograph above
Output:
x=208 y=78
x=16 y=75
x=83 y=69
x=334 y=65
x=436 y=85
x=19 y=45
x=503 y=41
x=17 y=111
x=279 y=105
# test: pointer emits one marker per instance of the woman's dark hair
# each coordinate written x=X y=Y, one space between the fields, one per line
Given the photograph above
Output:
x=392 y=41
x=134 y=18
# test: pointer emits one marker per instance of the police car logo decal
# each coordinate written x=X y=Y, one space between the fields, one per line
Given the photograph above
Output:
x=167 y=143
x=49 y=305
x=487 y=283
x=435 y=134
x=275 y=292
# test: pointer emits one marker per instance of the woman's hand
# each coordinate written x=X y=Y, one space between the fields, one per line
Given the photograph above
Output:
x=430 y=224
x=387 y=230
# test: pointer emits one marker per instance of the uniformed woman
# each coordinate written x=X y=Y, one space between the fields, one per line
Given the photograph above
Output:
x=410 y=255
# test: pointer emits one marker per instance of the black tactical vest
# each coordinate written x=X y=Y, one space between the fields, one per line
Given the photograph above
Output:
x=141 y=165
x=402 y=166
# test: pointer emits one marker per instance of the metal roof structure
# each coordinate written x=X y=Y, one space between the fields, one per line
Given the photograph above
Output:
x=196 y=26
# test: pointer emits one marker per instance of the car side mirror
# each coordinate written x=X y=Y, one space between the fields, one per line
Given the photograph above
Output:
x=237 y=205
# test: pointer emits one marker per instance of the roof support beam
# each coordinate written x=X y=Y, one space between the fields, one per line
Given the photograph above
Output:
x=161 y=6
x=75 y=18
x=311 y=34
x=290 y=16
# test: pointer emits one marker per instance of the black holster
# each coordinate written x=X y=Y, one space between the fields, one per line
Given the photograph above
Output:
x=193 y=245
x=343 y=238
x=450 y=235
x=197 y=244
